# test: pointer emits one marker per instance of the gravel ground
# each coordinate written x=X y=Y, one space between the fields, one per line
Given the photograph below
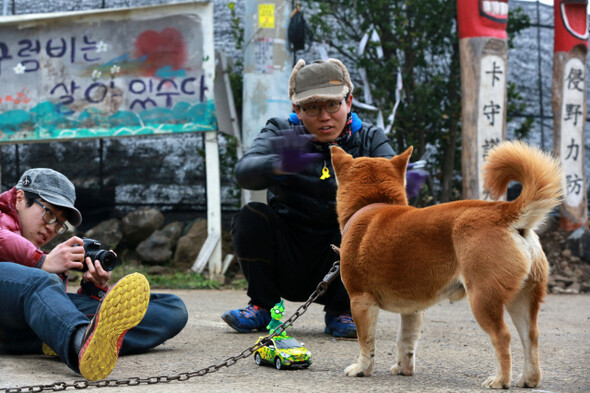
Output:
x=454 y=355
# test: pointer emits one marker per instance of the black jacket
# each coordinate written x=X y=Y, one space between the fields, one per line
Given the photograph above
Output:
x=303 y=199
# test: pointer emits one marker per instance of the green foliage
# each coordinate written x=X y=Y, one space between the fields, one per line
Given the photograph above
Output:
x=418 y=38
x=228 y=156
x=517 y=22
x=176 y=280
x=180 y=280
x=236 y=25
x=236 y=68
x=517 y=105
x=239 y=283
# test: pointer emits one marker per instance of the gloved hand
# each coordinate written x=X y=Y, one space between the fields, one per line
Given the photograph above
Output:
x=415 y=179
x=294 y=149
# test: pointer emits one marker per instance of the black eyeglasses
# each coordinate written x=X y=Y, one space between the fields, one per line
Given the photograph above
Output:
x=50 y=218
x=314 y=109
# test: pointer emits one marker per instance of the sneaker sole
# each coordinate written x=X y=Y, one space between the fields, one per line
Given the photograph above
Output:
x=48 y=351
x=122 y=308
x=231 y=321
x=334 y=333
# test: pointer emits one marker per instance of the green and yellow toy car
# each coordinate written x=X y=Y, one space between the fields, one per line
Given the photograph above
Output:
x=283 y=352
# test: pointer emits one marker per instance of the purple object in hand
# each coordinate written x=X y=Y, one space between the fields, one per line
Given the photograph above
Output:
x=294 y=150
x=415 y=179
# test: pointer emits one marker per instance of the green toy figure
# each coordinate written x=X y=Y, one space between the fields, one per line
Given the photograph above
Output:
x=281 y=350
x=276 y=313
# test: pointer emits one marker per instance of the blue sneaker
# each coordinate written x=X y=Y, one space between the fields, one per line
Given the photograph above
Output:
x=247 y=319
x=340 y=325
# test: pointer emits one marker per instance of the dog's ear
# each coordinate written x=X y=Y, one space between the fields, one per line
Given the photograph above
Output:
x=340 y=158
x=401 y=160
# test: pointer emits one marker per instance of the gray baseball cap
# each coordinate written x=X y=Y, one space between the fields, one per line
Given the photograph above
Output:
x=53 y=187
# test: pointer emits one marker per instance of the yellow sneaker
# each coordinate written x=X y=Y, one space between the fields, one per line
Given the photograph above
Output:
x=122 y=308
x=48 y=351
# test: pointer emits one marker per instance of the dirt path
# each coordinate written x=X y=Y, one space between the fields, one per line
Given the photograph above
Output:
x=454 y=355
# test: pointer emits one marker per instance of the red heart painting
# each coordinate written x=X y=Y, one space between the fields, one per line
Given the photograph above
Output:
x=160 y=49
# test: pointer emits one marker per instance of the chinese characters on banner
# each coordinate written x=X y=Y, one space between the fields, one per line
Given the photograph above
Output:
x=490 y=119
x=483 y=48
x=572 y=132
x=111 y=73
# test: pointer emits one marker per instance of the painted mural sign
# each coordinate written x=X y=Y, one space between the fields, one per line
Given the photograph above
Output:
x=137 y=71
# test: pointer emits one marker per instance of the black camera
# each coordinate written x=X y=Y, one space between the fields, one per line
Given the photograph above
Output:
x=107 y=259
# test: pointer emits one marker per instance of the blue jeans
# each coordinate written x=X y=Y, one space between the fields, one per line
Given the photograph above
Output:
x=35 y=309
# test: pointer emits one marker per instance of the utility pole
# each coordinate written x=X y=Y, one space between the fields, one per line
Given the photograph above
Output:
x=267 y=67
x=569 y=108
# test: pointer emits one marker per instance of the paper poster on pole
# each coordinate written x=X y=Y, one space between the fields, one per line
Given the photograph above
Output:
x=266 y=16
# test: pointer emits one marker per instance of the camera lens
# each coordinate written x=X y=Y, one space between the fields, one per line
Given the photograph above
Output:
x=108 y=260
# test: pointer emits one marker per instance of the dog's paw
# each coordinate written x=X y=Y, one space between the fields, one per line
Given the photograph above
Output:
x=528 y=382
x=355 y=371
x=495 y=383
x=398 y=369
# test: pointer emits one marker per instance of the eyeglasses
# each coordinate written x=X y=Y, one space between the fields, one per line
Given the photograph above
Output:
x=314 y=109
x=50 y=218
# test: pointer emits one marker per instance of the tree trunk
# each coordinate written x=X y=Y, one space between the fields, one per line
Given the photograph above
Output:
x=448 y=164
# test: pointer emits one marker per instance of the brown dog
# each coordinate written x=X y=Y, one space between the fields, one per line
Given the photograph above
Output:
x=404 y=259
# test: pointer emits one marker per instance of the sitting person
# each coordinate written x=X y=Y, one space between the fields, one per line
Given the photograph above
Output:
x=84 y=329
x=284 y=247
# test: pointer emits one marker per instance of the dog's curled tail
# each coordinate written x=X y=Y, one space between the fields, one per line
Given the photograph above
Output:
x=538 y=173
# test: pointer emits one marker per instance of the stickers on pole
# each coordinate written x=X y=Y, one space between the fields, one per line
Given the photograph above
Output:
x=266 y=16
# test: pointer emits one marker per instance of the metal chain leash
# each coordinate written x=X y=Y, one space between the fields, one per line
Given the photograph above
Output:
x=135 y=381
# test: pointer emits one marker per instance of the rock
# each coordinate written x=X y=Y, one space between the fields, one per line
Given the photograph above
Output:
x=189 y=245
x=156 y=249
x=574 y=288
x=557 y=290
x=563 y=279
x=108 y=233
x=129 y=257
x=159 y=270
x=579 y=242
x=139 y=224
x=569 y=272
x=174 y=232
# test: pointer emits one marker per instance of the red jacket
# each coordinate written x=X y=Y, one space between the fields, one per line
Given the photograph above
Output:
x=13 y=246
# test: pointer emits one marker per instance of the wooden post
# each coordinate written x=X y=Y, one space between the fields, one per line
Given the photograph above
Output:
x=484 y=66
x=210 y=253
x=569 y=108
